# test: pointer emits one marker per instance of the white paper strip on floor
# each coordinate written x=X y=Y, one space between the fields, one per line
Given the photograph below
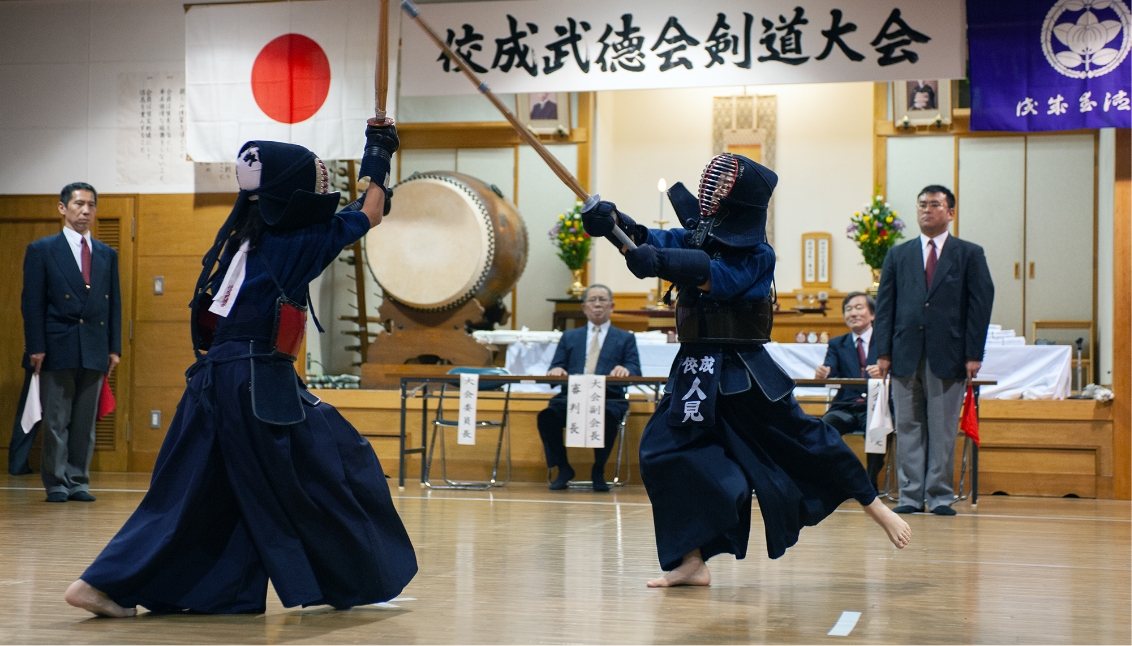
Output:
x=595 y=411
x=845 y=624
x=576 y=411
x=469 y=393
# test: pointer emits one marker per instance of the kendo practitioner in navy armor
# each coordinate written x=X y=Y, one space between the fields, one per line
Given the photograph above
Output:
x=728 y=423
x=257 y=479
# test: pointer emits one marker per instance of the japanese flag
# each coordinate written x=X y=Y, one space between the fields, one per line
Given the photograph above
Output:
x=297 y=72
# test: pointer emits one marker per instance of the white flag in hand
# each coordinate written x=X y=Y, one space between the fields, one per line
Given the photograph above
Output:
x=297 y=72
x=879 y=421
x=33 y=407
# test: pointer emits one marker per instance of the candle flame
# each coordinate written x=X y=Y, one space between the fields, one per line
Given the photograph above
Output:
x=661 y=186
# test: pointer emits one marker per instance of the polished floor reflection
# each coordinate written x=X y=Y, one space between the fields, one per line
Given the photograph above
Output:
x=526 y=565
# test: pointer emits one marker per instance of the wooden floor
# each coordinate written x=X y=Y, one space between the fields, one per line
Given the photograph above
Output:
x=526 y=565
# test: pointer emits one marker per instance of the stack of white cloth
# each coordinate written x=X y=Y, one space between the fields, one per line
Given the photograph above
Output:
x=998 y=336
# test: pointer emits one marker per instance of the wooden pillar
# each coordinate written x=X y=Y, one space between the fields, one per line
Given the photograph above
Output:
x=880 y=144
x=586 y=110
x=1122 y=319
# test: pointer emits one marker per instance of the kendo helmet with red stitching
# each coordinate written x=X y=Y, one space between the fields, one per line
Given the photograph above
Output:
x=290 y=182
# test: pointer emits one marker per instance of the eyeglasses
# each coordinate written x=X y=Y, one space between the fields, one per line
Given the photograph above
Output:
x=924 y=206
x=598 y=299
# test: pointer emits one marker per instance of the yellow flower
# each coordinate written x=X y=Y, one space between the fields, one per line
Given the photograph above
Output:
x=888 y=219
x=856 y=214
x=867 y=219
x=894 y=213
x=864 y=237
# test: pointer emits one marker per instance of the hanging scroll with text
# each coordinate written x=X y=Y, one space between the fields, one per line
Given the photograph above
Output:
x=591 y=45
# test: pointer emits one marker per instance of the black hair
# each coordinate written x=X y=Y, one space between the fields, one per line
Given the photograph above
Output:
x=923 y=89
x=936 y=188
x=872 y=302
x=69 y=191
x=609 y=291
x=249 y=226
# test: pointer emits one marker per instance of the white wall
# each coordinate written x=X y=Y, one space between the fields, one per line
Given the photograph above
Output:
x=823 y=159
x=59 y=67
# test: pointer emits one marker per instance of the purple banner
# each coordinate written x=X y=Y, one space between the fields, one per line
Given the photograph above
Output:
x=1050 y=64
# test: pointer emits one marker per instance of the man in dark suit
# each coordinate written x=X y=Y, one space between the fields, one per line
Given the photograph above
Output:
x=853 y=356
x=545 y=107
x=933 y=309
x=73 y=337
x=598 y=349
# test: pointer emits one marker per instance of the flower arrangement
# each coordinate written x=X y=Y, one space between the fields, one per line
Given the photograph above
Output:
x=572 y=241
x=875 y=230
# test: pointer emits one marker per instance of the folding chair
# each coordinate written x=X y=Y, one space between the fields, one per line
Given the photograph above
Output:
x=969 y=459
x=889 y=487
x=440 y=424
x=620 y=440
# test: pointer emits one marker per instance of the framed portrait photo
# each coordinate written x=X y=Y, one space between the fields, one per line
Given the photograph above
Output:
x=545 y=113
x=921 y=102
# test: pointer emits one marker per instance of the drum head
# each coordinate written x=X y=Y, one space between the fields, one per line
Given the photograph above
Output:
x=434 y=249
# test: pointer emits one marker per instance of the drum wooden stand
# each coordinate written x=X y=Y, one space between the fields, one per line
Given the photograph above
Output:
x=451 y=248
x=415 y=337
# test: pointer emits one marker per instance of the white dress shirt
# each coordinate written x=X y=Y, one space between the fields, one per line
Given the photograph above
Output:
x=939 y=240
x=74 y=239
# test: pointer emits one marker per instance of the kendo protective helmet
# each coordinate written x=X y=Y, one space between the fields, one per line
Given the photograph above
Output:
x=291 y=184
x=735 y=192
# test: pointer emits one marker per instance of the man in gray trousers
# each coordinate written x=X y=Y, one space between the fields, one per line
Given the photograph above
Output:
x=72 y=311
x=933 y=309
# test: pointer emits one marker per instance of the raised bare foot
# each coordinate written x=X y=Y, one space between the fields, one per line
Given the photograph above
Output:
x=83 y=595
x=692 y=571
x=898 y=531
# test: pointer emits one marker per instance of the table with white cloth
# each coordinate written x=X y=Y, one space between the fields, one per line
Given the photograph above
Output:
x=1022 y=371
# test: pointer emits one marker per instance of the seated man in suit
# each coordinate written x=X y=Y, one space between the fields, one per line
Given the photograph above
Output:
x=851 y=356
x=596 y=349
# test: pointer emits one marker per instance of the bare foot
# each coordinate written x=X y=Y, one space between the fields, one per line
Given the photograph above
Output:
x=692 y=571
x=898 y=531
x=83 y=595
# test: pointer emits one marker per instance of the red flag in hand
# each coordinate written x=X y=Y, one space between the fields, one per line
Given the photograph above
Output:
x=969 y=420
x=106 y=403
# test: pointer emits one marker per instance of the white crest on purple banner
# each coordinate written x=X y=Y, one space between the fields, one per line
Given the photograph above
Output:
x=1097 y=33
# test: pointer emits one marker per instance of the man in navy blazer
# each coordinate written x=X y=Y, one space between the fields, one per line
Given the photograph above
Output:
x=73 y=337
x=933 y=309
x=853 y=356
x=600 y=349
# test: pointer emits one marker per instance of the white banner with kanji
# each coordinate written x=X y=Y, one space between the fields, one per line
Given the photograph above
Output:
x=595 y=411
x=469 y=395
x=552 y=46
x=585 y=411
x=576 y=411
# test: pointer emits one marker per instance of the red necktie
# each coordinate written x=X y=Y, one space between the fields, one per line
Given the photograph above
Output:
x=85 y=253
x=929 y=268
x=861 y=354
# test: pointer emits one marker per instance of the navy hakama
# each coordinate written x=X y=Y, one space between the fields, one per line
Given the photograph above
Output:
x=235 y=501
x=700 y=478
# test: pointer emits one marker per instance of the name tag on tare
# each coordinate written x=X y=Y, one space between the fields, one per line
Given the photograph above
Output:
x=469 y=395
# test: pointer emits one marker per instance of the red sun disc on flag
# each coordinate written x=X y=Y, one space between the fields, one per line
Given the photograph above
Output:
x=291 y=78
